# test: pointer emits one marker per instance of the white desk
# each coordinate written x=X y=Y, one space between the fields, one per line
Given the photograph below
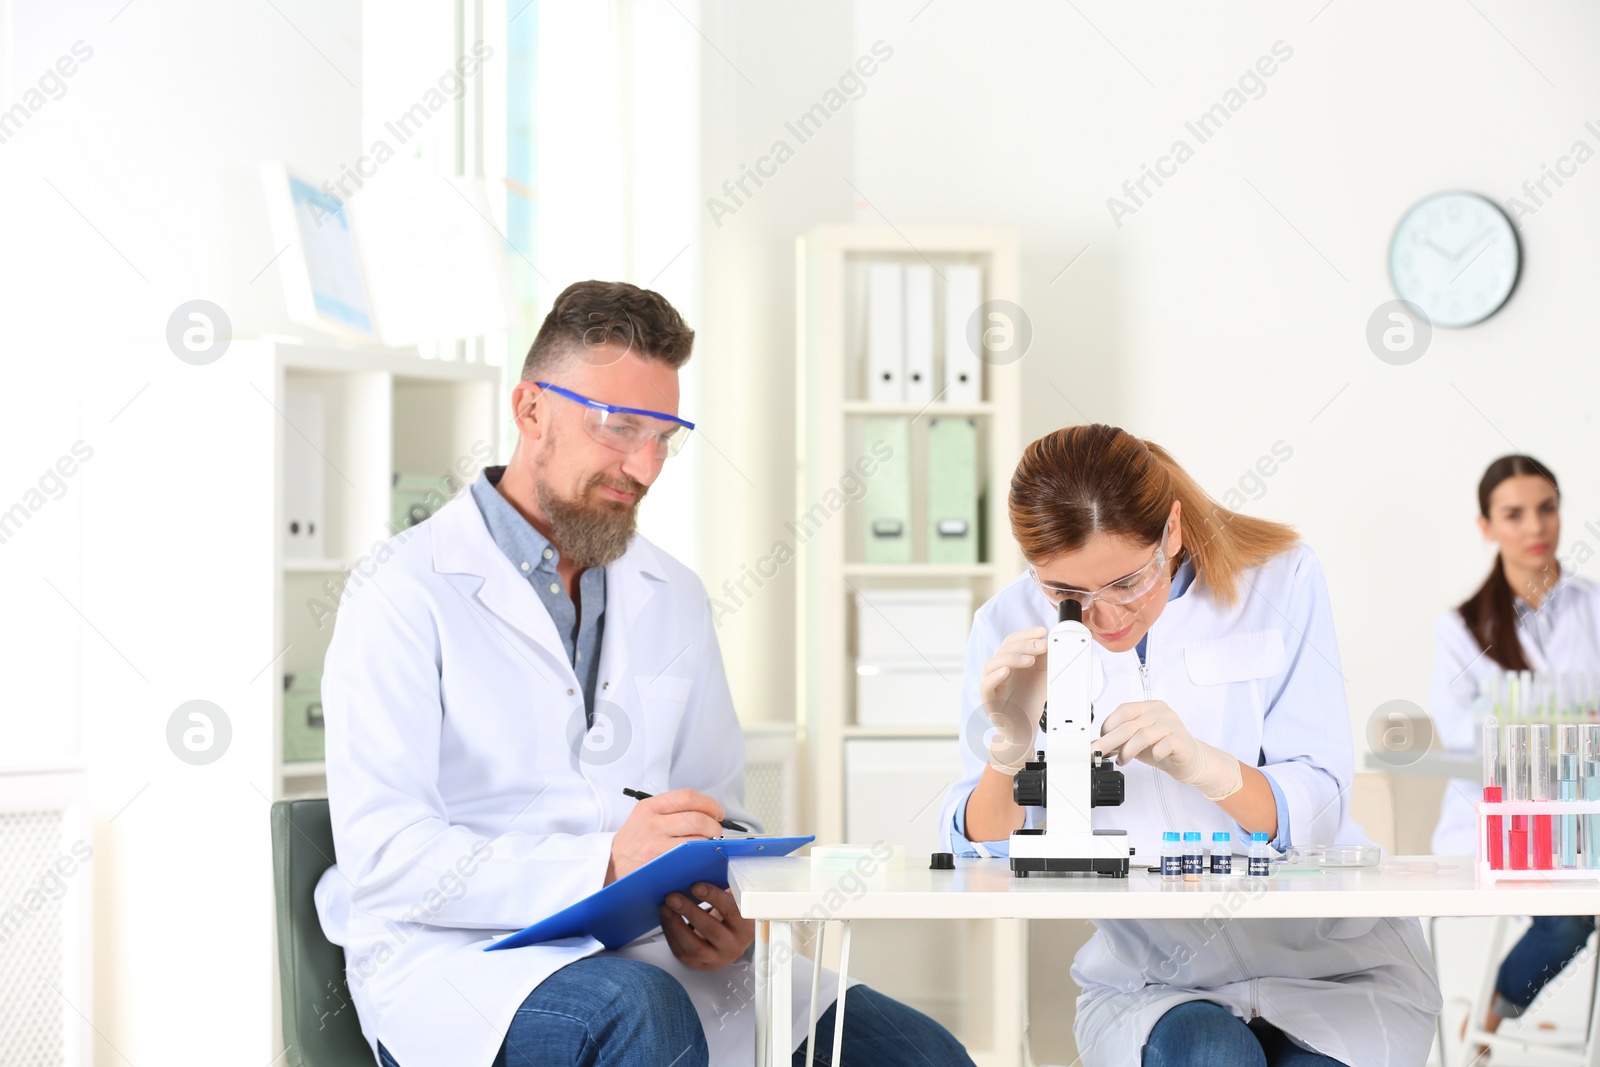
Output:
x=778 y=893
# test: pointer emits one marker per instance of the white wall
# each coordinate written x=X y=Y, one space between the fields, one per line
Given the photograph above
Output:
x=618 y=154
x=129 y=191
x=761 y=67
x=1207 y=323
x=134 y=191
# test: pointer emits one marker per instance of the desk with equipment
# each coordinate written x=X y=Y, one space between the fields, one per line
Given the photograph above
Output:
x=1071 y=856
x=780 y=893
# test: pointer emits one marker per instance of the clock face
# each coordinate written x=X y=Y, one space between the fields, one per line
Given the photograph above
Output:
x=1455 y=256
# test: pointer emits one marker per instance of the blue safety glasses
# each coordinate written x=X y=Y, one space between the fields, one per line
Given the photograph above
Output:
x=628 y=429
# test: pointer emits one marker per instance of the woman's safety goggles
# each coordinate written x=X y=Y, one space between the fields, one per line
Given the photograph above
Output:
x=1121 y=592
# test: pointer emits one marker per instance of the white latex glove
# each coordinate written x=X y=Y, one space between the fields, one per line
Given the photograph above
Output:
x=1013 y=690
x=1151 y=732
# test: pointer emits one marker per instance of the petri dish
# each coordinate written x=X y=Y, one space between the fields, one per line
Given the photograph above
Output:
x=1335 y=855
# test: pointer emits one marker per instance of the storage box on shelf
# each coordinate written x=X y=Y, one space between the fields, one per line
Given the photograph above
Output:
x=906 y=443
x=910 y=649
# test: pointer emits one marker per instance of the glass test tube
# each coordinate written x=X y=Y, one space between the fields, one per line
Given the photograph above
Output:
x=1567 y=789
x=1494 y=830
x=1543 y=825
x=1518 y=777
x=1589 y=766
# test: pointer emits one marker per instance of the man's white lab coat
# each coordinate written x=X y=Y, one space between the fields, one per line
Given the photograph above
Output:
x=468 y=800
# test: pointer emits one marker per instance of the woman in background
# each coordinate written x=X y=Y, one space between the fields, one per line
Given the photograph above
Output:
x=1529 y=615
x=1217 y=672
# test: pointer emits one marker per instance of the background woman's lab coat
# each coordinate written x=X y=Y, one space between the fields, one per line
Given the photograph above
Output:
x=1260 y=680
x=466 y=803
x=1563 y=635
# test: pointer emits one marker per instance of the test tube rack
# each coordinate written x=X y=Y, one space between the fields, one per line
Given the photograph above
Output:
x=1588 y=849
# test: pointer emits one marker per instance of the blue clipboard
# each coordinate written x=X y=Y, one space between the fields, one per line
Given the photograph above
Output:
x=628 y=908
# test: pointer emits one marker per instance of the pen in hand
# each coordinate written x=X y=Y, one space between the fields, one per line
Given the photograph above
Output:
x=727 y=824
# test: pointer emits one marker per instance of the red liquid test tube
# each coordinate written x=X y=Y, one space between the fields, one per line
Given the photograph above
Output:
x=1519 y=843
x=1494 y=828
x=1543 y=825
x=1519 y=772
x=1496 y=831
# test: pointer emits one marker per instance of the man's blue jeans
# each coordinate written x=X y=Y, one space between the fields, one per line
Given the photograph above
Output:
x=609 y=1012
x=1198 y=1033
x=1544 y=950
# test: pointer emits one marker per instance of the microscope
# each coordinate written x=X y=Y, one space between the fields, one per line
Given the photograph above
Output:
x=1082 y=778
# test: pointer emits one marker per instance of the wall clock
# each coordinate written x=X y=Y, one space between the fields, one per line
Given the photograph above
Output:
x=1455 y=256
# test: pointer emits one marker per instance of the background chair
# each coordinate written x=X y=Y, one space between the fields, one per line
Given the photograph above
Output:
x=1372 y=809
x=320 y=1028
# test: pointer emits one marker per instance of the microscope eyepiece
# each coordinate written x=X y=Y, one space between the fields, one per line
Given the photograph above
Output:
x=1071 y=611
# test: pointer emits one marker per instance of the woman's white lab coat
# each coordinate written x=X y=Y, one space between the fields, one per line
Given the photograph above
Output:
x=462 y=809
x=1563 y=635
x=1262 y=681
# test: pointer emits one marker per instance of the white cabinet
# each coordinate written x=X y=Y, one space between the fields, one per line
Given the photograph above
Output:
x=879 y=656
x=894 y=789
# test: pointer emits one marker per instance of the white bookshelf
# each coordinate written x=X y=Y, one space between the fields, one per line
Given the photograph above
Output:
x=383 y=413
x=969 y=976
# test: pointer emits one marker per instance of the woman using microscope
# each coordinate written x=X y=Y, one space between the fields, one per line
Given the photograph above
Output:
x=1217 y=686
x=1530 y=614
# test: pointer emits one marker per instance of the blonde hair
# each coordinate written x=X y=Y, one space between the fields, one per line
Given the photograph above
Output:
x=1083 y=480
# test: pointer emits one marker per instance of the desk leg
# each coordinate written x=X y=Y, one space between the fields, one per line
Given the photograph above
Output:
x=838 y=1008
x=1592 y=1047
x=1432 y=931
x=763 y=993
x=780 y=1020
x=816 y=989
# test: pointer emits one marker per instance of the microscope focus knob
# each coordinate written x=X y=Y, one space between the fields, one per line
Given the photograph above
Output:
x=1027 y=788
x=1107 y=788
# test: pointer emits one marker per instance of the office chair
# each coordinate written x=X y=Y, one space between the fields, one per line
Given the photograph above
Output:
x=320 y=1028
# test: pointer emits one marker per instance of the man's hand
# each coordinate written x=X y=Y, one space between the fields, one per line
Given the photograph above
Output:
x=706 y=940
x=660 y=824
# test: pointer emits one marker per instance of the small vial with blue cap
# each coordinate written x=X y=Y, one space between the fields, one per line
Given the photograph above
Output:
x=1171 y=855
x=1222 y=852
x=1260 y=855
x=1194 y=856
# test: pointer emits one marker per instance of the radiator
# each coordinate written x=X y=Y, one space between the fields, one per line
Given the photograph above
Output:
x=46 y=875
x=771 y=776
